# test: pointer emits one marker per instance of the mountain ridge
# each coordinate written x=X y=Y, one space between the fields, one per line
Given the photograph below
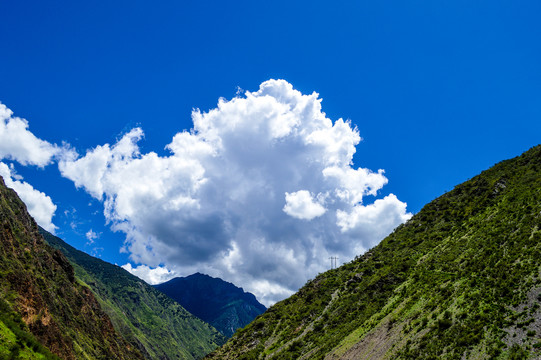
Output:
x=158 y=326
x=461 y=279
x=218 y=302
x=44 y=309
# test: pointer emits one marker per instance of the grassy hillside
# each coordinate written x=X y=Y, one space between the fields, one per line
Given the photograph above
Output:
x=158 y=326
x=460 y=280
x=213 y=300
x=43 y=308
x=16 y=342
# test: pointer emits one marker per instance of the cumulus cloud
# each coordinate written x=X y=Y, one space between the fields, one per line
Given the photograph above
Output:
x=261 y=191
x=152 y=276
x=39 y=205
x=19 y=144
x=301 y=205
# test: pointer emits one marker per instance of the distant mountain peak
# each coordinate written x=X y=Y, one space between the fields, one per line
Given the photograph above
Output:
x=222 y=304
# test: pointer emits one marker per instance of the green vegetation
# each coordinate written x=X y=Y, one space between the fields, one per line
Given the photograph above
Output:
x=158 y=326
x=43 y=309
x=16 y=342
x=461 y=279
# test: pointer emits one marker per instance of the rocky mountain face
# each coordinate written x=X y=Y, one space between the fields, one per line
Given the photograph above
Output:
x=44 y=311
x=220 y=303
x=460 y=280
x=157 y=326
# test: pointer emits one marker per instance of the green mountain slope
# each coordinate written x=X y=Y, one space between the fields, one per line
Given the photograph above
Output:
x=43 y=308
x=213 y=300
x=460 y=280
x=16 y=341
x=158 y=326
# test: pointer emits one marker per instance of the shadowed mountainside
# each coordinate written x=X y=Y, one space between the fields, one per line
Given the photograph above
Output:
x=220 y=303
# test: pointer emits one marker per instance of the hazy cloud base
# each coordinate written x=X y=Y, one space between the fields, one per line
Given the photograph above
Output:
x=261 y=191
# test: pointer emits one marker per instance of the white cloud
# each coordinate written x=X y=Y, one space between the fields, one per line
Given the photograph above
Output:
x=18 y=143
x=353 y=184
x=39 y=205
x=91 y=237
x=154 y=276
x=373 y=222
x=260 y=192
x=301 y=205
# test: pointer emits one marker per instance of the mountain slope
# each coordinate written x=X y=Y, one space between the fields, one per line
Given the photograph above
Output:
x=221 y=304
x=16 y=341
x=148 y=319
x=460 y=280
x=42 y=306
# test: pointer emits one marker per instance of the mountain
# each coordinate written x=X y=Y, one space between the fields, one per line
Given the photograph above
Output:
x=45 y=313
x=460 y=280
x=149 y=320
x=221 y=304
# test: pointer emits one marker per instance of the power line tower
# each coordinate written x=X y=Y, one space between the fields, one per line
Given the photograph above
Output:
x=334 y=260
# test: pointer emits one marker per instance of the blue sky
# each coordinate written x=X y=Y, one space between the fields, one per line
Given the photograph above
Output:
x=438 y=90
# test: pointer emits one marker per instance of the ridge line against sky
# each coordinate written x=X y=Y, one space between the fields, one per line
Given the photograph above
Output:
x=437 y=91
